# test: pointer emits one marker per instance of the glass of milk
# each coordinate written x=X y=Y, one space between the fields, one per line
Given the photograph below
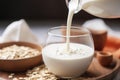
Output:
x=68 y=63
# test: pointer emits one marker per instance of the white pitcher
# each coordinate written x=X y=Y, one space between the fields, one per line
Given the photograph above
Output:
x=99 y=8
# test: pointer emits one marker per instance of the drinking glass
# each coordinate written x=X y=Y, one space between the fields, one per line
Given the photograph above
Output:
x=67 y=66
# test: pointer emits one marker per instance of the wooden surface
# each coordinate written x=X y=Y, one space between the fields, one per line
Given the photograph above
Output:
x=95 y=71
x=98 y=72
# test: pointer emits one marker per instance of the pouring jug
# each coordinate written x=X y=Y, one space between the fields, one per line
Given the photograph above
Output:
x=99 y=8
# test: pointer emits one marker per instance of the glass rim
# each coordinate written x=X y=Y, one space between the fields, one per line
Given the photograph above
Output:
x=65 y=27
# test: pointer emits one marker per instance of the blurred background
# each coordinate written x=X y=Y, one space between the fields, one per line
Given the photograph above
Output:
x=43 y=13
x=37 y=10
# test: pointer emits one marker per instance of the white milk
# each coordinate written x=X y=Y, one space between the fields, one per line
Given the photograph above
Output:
x=61 y=63
x=100 y=8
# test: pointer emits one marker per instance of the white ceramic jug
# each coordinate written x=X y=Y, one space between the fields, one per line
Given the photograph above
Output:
x=100 y=8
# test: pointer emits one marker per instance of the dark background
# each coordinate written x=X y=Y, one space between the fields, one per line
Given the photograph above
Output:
x=42 y=10
x=36 y=9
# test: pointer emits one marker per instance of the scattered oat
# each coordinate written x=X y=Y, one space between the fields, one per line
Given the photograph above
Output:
x=40 y=73
x=15 y=79
x=11 y=76
x=37 y=73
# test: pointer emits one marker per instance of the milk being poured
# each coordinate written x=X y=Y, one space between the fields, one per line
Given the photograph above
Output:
x=73 y=6
x=100 y=8
x=68 y=59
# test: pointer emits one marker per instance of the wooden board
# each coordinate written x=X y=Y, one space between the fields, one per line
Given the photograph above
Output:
x=95 y=71
x=98 y=72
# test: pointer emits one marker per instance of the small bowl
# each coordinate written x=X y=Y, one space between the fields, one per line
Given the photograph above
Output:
x=104 y=58
x=19 y=65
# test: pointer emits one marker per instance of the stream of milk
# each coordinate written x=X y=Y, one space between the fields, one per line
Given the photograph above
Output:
x=73 y=6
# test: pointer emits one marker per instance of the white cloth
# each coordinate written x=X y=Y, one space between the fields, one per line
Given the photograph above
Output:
x=95 y=24
x=18 y=31
x=99 y=24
